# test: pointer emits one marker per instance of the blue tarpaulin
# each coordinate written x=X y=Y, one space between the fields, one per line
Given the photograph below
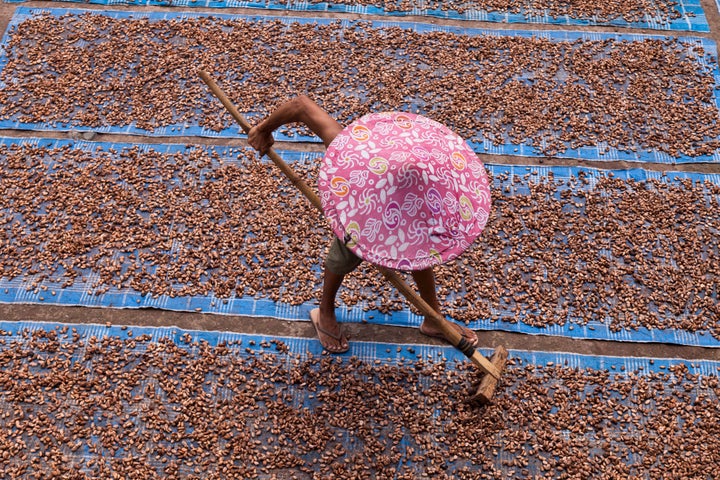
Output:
x=82 y=292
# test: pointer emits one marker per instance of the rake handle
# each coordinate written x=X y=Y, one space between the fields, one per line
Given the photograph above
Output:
x=277 y=160
x=440 y=322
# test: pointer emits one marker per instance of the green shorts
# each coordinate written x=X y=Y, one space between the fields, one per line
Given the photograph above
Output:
x=340 y=260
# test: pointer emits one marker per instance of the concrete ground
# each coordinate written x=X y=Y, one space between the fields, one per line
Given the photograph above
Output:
x=367 y=332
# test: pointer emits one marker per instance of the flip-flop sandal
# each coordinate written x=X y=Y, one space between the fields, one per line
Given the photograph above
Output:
x=471 y=337
x=314 y=316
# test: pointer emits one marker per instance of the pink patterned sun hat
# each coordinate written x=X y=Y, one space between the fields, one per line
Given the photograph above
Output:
x=403 y=191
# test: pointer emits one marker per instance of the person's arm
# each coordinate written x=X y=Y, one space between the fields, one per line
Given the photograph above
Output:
x=300 y=109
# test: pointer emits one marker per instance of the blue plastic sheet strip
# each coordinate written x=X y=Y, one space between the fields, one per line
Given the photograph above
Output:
x=81 y=292
x=600 y=152
x=390 y=353
x=17 y=335
x=691 y=15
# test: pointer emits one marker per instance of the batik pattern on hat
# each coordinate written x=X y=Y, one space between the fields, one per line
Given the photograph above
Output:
x=403 y=191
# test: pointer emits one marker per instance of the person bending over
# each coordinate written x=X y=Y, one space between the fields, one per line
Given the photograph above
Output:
x=340 y=260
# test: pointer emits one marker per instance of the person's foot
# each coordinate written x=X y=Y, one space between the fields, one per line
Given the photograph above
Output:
x=328 y=331
x=470 y=336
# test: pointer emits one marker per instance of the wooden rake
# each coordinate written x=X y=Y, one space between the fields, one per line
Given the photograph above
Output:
x=492 y=368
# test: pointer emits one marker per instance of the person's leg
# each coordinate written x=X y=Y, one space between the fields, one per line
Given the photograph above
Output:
x=334 y=340
x=425 y=281
x=339 y=262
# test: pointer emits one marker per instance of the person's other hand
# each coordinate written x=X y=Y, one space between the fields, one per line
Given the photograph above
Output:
x=260 y=140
